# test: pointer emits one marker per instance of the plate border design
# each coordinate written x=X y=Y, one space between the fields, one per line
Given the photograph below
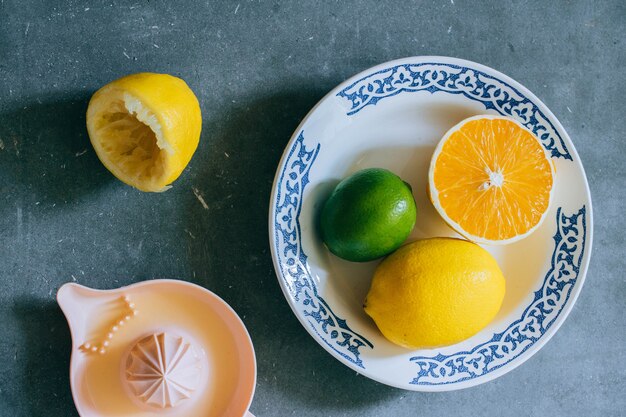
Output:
x=476 y=85
x=294 y=267
x=536 y=319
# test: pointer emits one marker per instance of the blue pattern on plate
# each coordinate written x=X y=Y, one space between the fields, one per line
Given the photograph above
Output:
x=292 y=260
x=545 y=308
x=495 y=94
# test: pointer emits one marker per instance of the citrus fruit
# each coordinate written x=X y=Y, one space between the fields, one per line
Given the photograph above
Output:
x=145 y=128
x=368 y=215
x=435 y=292
x=491 y=180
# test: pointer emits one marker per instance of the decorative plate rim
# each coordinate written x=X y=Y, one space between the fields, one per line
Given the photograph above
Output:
x=571 y=155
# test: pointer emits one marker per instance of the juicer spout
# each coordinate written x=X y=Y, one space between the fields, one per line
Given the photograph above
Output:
x=73 y=300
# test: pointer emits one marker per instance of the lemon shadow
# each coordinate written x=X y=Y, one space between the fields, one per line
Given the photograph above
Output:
x=45 y=154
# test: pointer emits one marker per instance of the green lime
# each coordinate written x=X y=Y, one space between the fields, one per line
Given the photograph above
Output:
x=368 y=215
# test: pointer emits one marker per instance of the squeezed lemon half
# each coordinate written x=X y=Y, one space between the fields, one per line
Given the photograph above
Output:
x=145 y=128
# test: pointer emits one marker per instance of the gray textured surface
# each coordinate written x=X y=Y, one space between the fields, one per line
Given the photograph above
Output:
x=257 y=68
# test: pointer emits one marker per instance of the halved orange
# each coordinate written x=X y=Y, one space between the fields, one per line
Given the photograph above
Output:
x=145 y=128
x=491 y=179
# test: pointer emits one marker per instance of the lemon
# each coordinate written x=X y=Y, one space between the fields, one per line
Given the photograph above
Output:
x=435 y=292
x=145 y=128
x=368 y=215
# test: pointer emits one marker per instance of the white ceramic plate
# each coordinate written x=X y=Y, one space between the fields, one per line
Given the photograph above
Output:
x=392 y=116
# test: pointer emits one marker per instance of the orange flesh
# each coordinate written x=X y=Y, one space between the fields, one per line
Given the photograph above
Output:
x=494 y=179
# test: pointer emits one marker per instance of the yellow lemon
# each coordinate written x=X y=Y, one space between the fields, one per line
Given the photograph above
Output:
x=435 y=292
x=145 y=128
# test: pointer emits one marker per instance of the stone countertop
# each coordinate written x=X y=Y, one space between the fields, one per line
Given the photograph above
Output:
x=257 y=68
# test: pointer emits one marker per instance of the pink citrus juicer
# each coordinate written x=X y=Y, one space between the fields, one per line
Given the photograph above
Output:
x=157 y=348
